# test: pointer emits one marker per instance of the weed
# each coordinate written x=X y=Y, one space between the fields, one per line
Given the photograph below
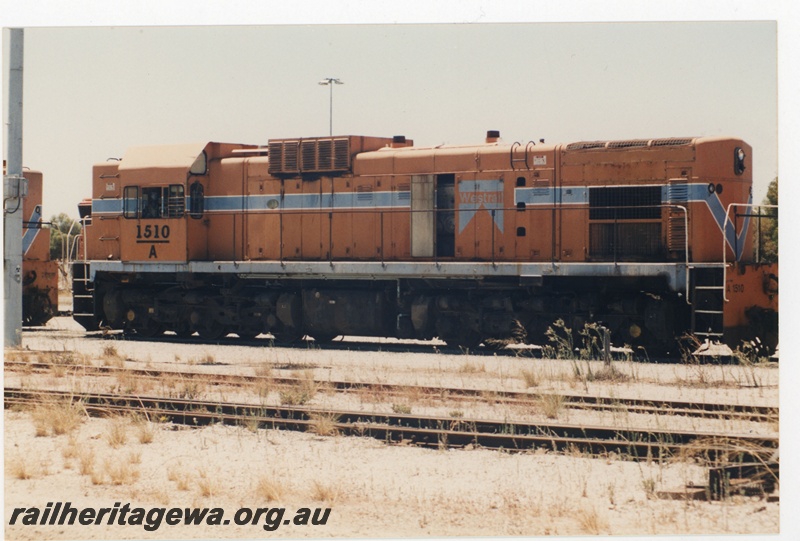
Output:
x=551 y=405
x=180 y=476
x=323 y=423
x=191 y=389
x=135 y=457
x=120 y=472
x=649 y=486
x=403 y=409
x=302 y=392
x=294 y=397
x=20 y=468
x=268 y=489
x=145 y=431
x=529 y=377
x=207 y=485
x=610 y=373
x=86 y=460
x=325 y=493
x=110 y=352
x=591 y=522
x=56 y=419
x=208 y=359
x=116 y=433
x=561 y=342
x=127 y=382
x=471 y=367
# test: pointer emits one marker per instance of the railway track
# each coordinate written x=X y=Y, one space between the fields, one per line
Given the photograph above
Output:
x=425 y=431
x=574 y=401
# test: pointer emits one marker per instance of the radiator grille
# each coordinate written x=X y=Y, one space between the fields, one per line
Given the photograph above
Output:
x=283 y=156
x=673 y=142
x=625 y=203
x=585 y=145
x=632 y=143
x=624 y=240
x=628 y=144
x=318 y=155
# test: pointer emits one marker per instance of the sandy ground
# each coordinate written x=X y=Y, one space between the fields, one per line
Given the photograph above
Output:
x=372 y=489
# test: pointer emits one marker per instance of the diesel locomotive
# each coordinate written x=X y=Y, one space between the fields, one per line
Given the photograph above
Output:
x=371 y=236
x=39 y=272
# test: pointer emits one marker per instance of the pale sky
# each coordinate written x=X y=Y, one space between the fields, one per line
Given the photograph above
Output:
x=92 y=92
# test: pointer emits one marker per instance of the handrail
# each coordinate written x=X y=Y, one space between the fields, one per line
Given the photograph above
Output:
x=725 y=240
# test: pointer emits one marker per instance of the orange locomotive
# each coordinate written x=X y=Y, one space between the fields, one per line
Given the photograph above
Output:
x=372 y=236
x=39 y=273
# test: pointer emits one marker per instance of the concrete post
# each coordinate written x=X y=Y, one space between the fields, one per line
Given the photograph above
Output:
x=14 y=190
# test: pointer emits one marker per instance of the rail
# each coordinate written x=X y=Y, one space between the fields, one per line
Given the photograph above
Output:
x=427 y=431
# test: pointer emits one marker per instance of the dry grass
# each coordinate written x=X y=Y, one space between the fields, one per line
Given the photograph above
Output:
x=529 y=377
x=302 y=392
x=609 y=373
x=20 y=467
x=551 y=405
x=208 y=486
x=207 y=359
x=145 y=431
x=329 y=494
x=471 y=367
x=179 y=476
x=591 y=522
x=86 y=460
x=63 y=358
x=323 y=423
x=121 y=472
x=110 y=352
x=269 y=490
x=111 y=357
x=403 y=409
x=128 y=382
x=116 y=434
x=56 y=419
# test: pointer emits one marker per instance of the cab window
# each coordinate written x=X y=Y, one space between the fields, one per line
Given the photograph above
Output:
x=130 y=204
x=154 y=202
x=196 y=201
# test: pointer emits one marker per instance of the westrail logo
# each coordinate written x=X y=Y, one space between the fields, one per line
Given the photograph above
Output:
x=475 y=195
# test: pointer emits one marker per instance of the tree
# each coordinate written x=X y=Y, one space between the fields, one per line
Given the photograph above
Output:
x=769 y=226
x=63 y=229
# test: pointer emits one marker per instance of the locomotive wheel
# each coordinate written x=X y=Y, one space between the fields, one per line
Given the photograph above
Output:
x=320 y=338
x=149 y=330
x=183 y=330
x=247 y=335
x=212 y=333
x=463 y=342
x=286 y=336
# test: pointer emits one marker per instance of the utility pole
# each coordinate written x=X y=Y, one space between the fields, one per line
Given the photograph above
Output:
x=15 y=188
x=330 y=81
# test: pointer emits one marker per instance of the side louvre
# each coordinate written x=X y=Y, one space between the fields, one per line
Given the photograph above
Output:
x=677 y=194
x=316 y=155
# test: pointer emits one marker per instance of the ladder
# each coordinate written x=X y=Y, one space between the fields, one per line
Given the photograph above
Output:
x=83 y=296
x=708 y=288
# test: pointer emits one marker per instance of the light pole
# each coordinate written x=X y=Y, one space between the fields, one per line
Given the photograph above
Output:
x=330 y=81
